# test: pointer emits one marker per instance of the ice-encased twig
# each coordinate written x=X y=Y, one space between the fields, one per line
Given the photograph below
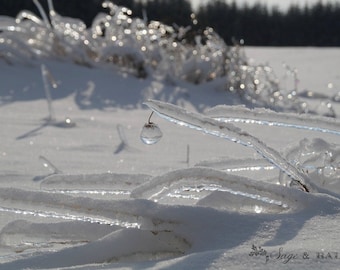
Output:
x=227 y=131
x=124 y=143
x=45 y=76
x=42 y=13
x=51 y=120
x=48 y=164
x=240 y=114
x=64 y=207
x=238 y=165
x=65 y=216
x=206 y=180
x=94 y=184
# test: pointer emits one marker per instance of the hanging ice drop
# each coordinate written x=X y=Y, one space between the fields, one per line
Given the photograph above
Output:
x=151 y=133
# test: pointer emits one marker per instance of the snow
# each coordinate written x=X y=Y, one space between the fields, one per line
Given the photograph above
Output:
x=93 y=196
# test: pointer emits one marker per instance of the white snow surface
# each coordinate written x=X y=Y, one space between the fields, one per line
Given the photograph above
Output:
x=94 y=196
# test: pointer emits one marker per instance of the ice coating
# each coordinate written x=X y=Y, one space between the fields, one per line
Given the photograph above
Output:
x=240 y=114
x=260 y=168
x=227 y=131
x=124 y=145
x=83 y=209
x=111 y=185
x=46 y=76
x=51 y=119
x=320 y=159
x=201 y=181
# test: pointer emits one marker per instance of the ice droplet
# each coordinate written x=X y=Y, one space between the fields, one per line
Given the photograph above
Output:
x=151 y=133
x=69 y=122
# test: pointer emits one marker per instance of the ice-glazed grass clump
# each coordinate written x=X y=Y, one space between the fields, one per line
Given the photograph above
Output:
x=115 y=37
x=319 y=159
x=145 y=48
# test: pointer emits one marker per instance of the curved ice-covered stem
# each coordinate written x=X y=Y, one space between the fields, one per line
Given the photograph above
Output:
x=238 y=192
x=49 y=80
x=227 y=131
x=26 y=15
x=65 y=216
x=63 y=207
x=48 y=164
x=42 y=13
x=238 y=165
x=46 y=76
x=51 y=11
x=240 y=114
x=124 y=145
x=119 y=185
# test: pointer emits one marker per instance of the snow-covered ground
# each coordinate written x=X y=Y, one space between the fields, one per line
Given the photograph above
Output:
x=112 y=202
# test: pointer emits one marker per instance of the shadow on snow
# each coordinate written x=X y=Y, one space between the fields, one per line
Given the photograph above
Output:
x=106 y=88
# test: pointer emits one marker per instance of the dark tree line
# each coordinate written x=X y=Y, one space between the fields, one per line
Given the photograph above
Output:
x=317 y=25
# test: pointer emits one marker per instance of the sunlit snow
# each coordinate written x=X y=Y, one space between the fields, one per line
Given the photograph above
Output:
x=91 y=179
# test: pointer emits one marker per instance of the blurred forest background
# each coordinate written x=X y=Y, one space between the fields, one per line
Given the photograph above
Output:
x=257 y=25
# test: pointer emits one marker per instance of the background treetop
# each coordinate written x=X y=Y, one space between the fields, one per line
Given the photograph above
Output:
x=257 y=25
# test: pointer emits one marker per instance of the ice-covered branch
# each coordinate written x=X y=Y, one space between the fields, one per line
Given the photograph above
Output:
x=240 y=114
x=202 y=181
x=48 y=164
x=42 y=13
x=227 y=131
x=124 y=143
x=24 y=202
x=46 y=76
